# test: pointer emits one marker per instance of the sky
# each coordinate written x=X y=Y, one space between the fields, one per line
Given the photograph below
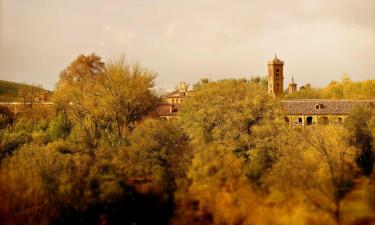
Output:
x=186 y=40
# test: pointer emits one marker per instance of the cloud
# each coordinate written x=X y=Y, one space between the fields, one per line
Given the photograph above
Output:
x=190 y=38
x=132 y=35
x=170 y=29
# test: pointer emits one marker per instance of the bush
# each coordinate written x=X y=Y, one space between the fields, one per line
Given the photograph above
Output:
x=59 y=127
x=12 y=141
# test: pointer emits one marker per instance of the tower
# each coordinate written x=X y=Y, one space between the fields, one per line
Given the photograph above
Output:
x=275 y=77
x=292 y=87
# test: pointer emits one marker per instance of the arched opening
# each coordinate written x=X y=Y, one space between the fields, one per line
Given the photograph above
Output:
x=286 y=119
x=324 y=120
x=300 y=121
x=309 y=120
x=339 y=120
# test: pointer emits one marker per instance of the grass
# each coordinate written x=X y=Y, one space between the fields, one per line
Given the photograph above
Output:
x=10 y=91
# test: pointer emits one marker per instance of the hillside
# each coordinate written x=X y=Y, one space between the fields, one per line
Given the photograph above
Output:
x=10 y=91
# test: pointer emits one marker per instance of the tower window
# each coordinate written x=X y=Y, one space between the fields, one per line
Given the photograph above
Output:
x=277 y=74
x=277 y=70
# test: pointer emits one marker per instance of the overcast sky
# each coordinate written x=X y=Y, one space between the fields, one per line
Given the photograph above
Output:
x=186 y=40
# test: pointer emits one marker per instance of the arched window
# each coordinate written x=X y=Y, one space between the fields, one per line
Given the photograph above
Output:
x=323 y=120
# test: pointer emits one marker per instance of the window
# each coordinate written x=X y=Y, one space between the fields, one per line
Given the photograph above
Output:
x=299 y=120
x=323 y=120
x=319 y=106
x=277 y=74
x=340 y=120
x=277 y=70
x=309 y=120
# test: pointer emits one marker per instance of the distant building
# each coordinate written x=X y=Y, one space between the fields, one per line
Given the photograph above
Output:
x=303 y=112
x=171 y=103
x=276 y=77
x=292 y=88
x=177 y=96
x=307 y=112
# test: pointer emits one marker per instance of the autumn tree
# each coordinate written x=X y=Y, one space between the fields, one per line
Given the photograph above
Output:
x=361 y=126
x=348 y=89
x=125 y=95
x=307 y=93
x=218 y=191
x=81 y=69
x=28 y=93
x=104 y=99
x=320 y=167
x=225 y=112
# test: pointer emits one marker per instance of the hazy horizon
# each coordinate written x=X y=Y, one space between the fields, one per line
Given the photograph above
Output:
x=319 y=40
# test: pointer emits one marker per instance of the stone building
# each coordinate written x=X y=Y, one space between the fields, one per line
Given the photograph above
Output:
x=171 y=103
x=306 y=112
x=177 y=96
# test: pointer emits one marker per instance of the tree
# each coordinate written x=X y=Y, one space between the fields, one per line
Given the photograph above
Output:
x=320 y=167
x=124 y=94
x=104 y=100
x=218 y=191
x=360 y=126
x=348 y=89
x=306 y=93
x=81 y=69
x=75 y=94
x=159 y=150
x=28 y=94
x=225 y=112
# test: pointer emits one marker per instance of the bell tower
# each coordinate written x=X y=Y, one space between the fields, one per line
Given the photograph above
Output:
x=275 y=77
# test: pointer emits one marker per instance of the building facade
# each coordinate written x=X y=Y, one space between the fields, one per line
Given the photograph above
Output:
x=307 y=112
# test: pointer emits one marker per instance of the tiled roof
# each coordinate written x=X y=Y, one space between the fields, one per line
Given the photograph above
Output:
x=164 y=109
x=322 y=106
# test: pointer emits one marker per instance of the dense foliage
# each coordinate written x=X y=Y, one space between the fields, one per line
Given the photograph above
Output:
x=96 y=158
x=344 y=89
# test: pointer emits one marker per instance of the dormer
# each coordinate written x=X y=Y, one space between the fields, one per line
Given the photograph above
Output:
x=319 y=106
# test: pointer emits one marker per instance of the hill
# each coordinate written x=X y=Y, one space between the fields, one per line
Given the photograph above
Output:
x=11 y=91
